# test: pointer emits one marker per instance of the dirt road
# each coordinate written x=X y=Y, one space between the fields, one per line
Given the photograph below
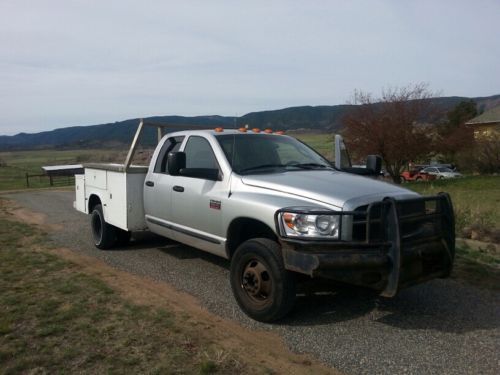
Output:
x=439 y=327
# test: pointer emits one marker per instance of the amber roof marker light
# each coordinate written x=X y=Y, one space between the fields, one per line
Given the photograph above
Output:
x=219 y=130
x=268 y=131
x=256 y=130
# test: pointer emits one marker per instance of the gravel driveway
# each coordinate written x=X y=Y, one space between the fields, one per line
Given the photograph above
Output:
x=439 y=327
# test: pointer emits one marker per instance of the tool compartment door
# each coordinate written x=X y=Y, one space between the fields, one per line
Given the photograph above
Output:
x=80 y=201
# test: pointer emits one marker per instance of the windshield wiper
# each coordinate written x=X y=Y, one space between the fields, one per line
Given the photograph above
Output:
x=263 y=166
x=298 y=165
x=310 y=165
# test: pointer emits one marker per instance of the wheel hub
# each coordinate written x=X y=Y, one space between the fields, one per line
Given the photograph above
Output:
x=256 y=281
x=251 y=282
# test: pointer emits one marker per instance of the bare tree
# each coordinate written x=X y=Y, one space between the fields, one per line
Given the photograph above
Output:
x=392 y=126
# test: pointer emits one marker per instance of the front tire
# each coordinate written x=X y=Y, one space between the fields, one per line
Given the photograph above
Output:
x=104 y=234
x=263 y=288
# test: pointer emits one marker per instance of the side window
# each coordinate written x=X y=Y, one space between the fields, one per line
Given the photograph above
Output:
x=199 y=154
x=171 y=145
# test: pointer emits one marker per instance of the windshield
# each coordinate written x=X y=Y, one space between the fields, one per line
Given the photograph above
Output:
x=259 y=153
x=444 y=170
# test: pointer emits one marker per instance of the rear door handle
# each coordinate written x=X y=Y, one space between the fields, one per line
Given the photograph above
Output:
x=150 y=183
x=180 y=189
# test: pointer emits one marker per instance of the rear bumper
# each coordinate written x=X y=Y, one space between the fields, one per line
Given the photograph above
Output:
x=411 y=249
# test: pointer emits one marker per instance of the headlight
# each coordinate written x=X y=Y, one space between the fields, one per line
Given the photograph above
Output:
x=309 y=225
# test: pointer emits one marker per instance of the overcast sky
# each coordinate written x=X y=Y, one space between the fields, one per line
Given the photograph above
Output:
x=65 y=63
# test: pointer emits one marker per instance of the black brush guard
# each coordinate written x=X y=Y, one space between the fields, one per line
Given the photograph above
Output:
x=395 y=244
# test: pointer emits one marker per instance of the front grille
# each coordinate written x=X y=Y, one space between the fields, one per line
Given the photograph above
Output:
x=359 y=223
x=417 y=218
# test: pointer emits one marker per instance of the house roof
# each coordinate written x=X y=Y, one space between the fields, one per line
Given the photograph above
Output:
x=492 y=115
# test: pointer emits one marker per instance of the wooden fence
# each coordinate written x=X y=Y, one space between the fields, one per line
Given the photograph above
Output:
x=48 y=180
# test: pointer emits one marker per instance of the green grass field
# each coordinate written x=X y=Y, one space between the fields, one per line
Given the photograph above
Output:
x=323 y=143
x=476 y=201
x=14 y=165
x=55 y=318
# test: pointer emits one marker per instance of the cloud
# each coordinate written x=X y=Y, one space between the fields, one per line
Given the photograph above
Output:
x=68 y=63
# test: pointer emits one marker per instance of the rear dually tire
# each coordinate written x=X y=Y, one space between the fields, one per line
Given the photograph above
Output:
x=103 y=234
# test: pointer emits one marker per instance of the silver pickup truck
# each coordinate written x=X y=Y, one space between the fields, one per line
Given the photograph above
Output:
x=276 y=209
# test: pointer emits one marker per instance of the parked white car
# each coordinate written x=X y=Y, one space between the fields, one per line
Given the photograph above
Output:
x=441 y=172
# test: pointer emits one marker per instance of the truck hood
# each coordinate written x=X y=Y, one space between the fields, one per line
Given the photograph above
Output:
x=340 y=189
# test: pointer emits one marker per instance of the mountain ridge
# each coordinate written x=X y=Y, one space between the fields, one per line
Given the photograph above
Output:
x=321 y=117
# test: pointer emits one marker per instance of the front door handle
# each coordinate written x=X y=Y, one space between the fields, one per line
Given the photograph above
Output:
x=180 y=189
x=150 y=183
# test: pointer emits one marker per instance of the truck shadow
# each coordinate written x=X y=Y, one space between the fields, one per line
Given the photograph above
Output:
x=181 y=251
x=440 y=305
x=147 y=240
x=144 y=241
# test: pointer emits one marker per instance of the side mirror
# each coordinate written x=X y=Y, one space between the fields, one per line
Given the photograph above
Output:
x=175 y=162
x=374 y=164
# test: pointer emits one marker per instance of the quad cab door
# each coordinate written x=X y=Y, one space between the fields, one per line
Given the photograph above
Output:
x=198 y=203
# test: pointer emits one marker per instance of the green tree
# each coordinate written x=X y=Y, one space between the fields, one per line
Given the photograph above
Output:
x=454 y=135
x=463 y=112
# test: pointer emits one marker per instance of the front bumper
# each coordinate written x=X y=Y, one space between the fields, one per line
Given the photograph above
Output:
x=401 y=247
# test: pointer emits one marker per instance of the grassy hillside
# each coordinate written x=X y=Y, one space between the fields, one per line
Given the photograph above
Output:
x=307 y=117
x=109 y=135
x=105 y=135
